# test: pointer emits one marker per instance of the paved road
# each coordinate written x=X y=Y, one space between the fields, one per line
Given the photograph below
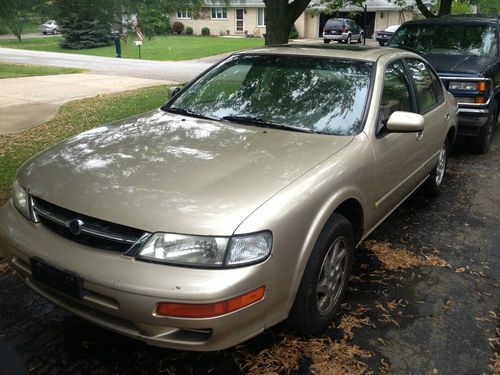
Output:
x=178 y=71
x=27 y=36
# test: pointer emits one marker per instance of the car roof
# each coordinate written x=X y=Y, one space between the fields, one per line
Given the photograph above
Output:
x=456 y=19
x=325 y=50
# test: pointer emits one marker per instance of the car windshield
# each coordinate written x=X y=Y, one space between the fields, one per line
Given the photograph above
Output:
x=313 y=94
x=476 y=40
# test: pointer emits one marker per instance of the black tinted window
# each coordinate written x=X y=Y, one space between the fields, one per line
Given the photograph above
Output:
x=478 y=40
x=334 y=24
x=428 y=88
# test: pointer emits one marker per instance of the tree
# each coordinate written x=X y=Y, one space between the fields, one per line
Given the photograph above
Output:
x=85 y=23
x=153 y=22
x=16 y=13
x=489 y=6
x=279 y=18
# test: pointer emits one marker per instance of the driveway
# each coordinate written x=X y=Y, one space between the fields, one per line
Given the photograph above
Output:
x=29 y=101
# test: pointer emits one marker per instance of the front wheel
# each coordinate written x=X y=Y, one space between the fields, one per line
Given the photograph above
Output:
x=481 y=145
x=326 y=41
x=325 y=278
x=432 y=186
x=360 y=39
x=348 y=41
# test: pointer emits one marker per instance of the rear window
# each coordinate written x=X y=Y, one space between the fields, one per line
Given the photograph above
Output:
x=333 y=24
x=471 y=39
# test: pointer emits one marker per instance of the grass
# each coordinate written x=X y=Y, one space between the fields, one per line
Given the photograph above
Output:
x=23 y=70
x=73 y=118
x=172 y=47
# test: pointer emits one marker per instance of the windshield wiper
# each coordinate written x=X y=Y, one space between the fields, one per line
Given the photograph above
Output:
x=188 y=112
x=253 y=120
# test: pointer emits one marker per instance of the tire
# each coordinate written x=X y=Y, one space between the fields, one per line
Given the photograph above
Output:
x=432 y=186
x=360 y=39
x=320 y=292
x=54 y=32
x=381 y=44
x=326 y=41
x=348 y=41
x=481 y=145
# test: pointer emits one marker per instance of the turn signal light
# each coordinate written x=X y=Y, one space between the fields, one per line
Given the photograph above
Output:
x=189 y=310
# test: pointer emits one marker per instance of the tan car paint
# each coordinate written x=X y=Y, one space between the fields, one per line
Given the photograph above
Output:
x=234 y=179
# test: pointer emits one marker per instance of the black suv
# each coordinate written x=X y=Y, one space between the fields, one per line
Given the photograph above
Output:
x=342 y=30
x=465 y=51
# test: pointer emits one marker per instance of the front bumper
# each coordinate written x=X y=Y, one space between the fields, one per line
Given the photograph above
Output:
x=121 y=294
x=471 y=121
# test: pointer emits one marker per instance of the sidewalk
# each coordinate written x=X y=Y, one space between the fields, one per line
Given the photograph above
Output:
x=30 y=101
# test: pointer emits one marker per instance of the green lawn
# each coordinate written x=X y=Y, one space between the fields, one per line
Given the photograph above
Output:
x=73 y=118
x=172 y=47
x=23 y=70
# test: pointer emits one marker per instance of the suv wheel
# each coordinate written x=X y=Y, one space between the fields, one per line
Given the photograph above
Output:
x=482 y=144
x=325 y=278
x=326 y=41
x=360 y=39
x=348 y=41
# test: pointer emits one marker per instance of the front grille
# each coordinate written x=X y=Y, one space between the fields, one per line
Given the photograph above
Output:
x=85 y=229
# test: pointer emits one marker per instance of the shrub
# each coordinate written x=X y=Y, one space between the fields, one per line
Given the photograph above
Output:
x=189 y=30
x=178 y=27
x=205 y=31
x=294 y=34
x=153 y=22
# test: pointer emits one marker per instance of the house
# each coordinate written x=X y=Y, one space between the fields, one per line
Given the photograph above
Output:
x=247 y=17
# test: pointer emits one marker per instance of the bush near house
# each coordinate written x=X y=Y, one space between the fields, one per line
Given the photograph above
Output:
x=153 y=22
x=294 y=34
x=178 y=27
x=205 y=31
x=189 y=30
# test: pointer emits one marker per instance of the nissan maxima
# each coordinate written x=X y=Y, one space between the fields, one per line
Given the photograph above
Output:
x=236 y=205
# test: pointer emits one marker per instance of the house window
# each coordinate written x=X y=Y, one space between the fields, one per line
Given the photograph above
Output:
x=260 y=17
x=219 y=13
x=184 y=14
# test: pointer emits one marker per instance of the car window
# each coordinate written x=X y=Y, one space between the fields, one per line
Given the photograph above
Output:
x=334 y=24
x=395 y=94
x=476 y=40
x=429 y=91
x=323 y=95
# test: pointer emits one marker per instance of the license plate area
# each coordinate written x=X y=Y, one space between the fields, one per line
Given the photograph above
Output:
x=56 y=278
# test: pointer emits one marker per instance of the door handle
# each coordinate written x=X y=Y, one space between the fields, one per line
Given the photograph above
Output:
x=420 y=135
x=447 y=117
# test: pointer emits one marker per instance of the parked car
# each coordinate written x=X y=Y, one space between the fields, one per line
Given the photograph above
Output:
x=49 y=27
x=384 y=36
x=236 y=205
x=465 y=51
x=342 y=30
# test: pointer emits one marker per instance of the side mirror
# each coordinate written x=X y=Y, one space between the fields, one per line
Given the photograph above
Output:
x=172 y=91
x=405 y=122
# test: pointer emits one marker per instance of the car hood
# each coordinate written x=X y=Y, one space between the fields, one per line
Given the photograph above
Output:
x=165 y=172
x=448 y=63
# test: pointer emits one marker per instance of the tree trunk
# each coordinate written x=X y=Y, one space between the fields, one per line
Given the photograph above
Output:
x=422 y=8
x=444 y=8
x=279 y=18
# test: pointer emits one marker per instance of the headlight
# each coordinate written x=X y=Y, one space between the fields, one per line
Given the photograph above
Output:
x=201 y=251
x=21 y=199
x=465 y=85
